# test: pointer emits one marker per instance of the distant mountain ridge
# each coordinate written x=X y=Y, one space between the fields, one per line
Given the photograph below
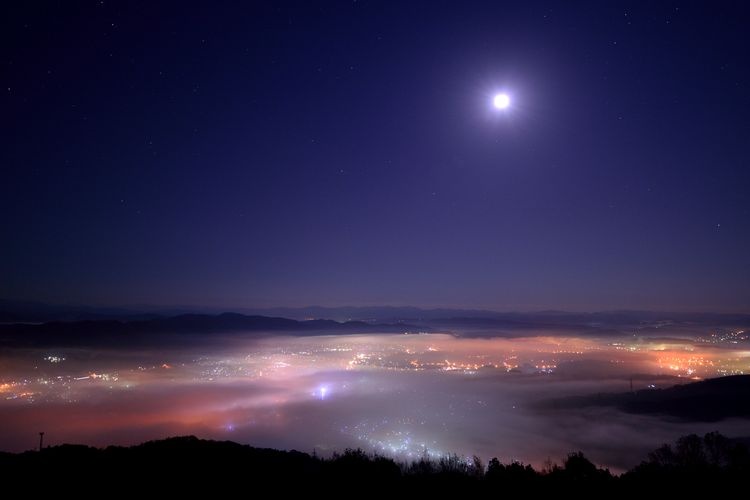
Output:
x=90 y=332
x=14 y=311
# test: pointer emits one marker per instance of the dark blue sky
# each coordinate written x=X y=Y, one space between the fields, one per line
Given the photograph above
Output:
x=348 y=153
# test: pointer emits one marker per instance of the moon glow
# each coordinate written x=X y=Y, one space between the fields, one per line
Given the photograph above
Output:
x=501 y=101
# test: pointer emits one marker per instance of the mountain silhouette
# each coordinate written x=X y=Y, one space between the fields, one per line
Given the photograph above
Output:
x=705 y=401
x=97 y=332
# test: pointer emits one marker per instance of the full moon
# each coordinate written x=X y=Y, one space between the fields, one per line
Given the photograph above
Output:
x=501 y=101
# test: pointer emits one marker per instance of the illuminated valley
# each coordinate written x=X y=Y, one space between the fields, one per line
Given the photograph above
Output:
x=401 y=395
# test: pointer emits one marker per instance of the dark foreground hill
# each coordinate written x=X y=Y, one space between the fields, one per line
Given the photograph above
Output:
x=706 y=401
x=190 y=465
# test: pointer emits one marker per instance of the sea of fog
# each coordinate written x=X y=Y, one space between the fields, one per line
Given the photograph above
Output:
x=401 y=395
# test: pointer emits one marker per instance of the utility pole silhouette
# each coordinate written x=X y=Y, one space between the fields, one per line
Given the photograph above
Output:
x=41 y=440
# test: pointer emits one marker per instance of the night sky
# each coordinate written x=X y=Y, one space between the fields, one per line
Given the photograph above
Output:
x=347 y=153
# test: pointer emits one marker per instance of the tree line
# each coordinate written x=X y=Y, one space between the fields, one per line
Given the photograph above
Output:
x=189 y=464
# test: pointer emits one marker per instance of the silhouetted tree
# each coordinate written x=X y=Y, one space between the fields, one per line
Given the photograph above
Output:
x=712 y=459
x=717 y=449
x=663 y=456
x=494 y=469
x=579 y=468
x=689 y=452
x=477 y=467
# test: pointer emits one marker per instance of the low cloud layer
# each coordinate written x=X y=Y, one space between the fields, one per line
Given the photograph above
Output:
x=400 y=395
